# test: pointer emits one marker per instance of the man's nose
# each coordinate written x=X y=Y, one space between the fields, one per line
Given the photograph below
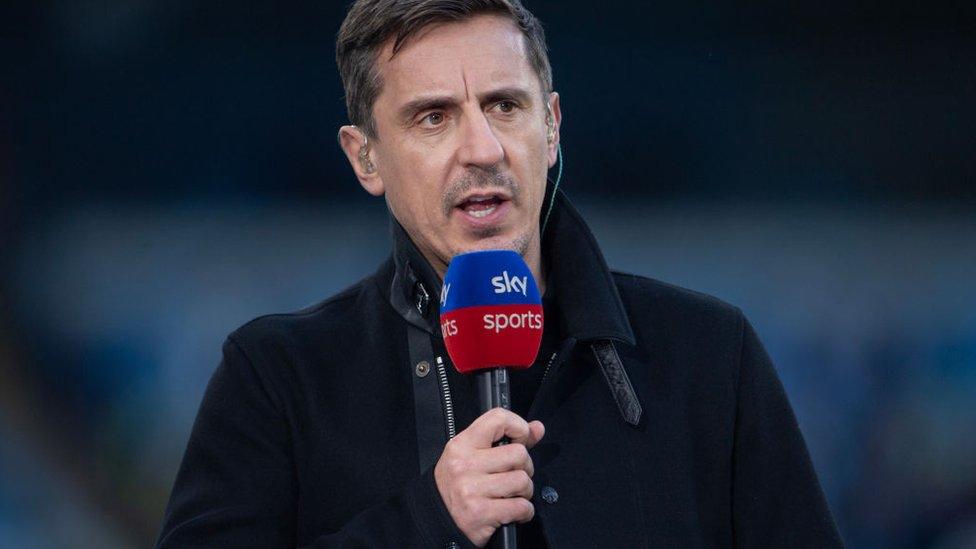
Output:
x=479 y=145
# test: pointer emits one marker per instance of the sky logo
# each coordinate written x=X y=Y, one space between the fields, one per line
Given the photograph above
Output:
x=445 y=290
x=508 y=284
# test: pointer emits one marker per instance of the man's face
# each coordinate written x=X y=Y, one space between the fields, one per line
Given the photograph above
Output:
x=462 y=150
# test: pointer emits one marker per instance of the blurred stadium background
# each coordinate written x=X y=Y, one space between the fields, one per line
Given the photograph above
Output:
x=169 y=170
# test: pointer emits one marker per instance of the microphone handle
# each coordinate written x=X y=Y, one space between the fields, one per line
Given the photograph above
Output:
x=493 y=389
x=493 y=393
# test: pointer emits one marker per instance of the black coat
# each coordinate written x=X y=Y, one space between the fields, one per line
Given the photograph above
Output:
x=666 y=425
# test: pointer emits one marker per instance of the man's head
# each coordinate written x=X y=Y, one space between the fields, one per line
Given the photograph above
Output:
x=455 y=120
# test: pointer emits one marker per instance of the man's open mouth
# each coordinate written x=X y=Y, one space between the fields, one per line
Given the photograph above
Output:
x=481 y=206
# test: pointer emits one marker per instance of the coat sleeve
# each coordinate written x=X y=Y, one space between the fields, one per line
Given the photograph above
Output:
x=776 y=497
x=237 y=487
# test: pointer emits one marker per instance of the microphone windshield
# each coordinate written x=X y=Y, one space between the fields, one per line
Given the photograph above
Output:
x=491 y=312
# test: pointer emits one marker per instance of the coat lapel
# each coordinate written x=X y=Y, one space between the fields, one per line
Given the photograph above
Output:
x=585 y=494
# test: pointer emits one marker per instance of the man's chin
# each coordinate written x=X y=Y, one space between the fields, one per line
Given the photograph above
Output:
x=496 y=241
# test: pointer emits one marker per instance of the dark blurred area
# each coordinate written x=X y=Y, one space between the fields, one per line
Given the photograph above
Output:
x=169 y=170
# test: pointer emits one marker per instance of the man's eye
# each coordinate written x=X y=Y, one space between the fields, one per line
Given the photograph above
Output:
x=506 y=106
x=433 y=119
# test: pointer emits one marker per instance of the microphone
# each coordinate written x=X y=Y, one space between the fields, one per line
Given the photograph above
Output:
x=491 y=320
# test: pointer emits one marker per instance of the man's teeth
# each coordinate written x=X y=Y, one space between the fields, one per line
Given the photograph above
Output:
x=481 y=213
x=481 y=206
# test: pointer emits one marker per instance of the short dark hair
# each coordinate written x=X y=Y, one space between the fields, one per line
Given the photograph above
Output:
x=370 y=23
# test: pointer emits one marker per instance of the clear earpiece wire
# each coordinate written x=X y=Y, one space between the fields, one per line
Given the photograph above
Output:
x=555 y=187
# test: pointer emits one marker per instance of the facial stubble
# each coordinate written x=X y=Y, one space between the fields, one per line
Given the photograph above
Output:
x=487 y=178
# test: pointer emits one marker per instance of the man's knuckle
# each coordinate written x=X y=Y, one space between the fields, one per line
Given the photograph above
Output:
x=514 y=451
x=450 y=454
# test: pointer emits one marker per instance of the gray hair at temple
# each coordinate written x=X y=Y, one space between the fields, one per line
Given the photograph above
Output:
x=370 y=23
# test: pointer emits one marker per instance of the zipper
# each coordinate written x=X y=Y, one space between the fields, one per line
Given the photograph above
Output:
x=545 y=374
x=542 y=382
x=446 y=398
x=567 y=345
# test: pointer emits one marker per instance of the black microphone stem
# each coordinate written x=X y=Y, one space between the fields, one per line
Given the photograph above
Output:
x=493 y=393
x=493 y=389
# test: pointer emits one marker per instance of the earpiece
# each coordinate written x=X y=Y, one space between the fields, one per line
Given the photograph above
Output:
x=364 y=160
x=366 y=163
x=551 y=122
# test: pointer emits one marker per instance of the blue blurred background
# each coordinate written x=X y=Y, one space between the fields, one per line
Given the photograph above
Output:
x=169 y=170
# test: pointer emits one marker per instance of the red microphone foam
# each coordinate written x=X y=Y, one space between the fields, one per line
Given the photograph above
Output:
x=491 y=312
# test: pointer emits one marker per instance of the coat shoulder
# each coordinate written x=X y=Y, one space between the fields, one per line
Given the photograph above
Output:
x=658 y=307
x=338 y=317
x=646 y=290
x=688 y=342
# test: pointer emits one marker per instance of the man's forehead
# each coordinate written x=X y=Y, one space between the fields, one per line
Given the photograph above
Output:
x=450 y=57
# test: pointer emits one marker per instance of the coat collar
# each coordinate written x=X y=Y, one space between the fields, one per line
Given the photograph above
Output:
x=577 y=275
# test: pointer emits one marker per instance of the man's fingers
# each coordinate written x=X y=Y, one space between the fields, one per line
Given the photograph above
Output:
x=495 y=424
x=504 y=458
x=483 y=486
x=508 y=485
x=509 y=510
x=536 y=431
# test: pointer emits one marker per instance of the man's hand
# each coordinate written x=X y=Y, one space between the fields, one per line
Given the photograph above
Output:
x=485 y=487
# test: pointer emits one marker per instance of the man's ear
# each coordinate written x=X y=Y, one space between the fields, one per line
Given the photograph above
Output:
x=361 y=157
x=554 y=119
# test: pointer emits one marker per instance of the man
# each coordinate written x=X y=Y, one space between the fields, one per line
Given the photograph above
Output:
x=653 y=417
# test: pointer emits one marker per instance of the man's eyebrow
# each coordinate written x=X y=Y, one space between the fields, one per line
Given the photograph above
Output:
x=513 y=93
x=411 y=108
